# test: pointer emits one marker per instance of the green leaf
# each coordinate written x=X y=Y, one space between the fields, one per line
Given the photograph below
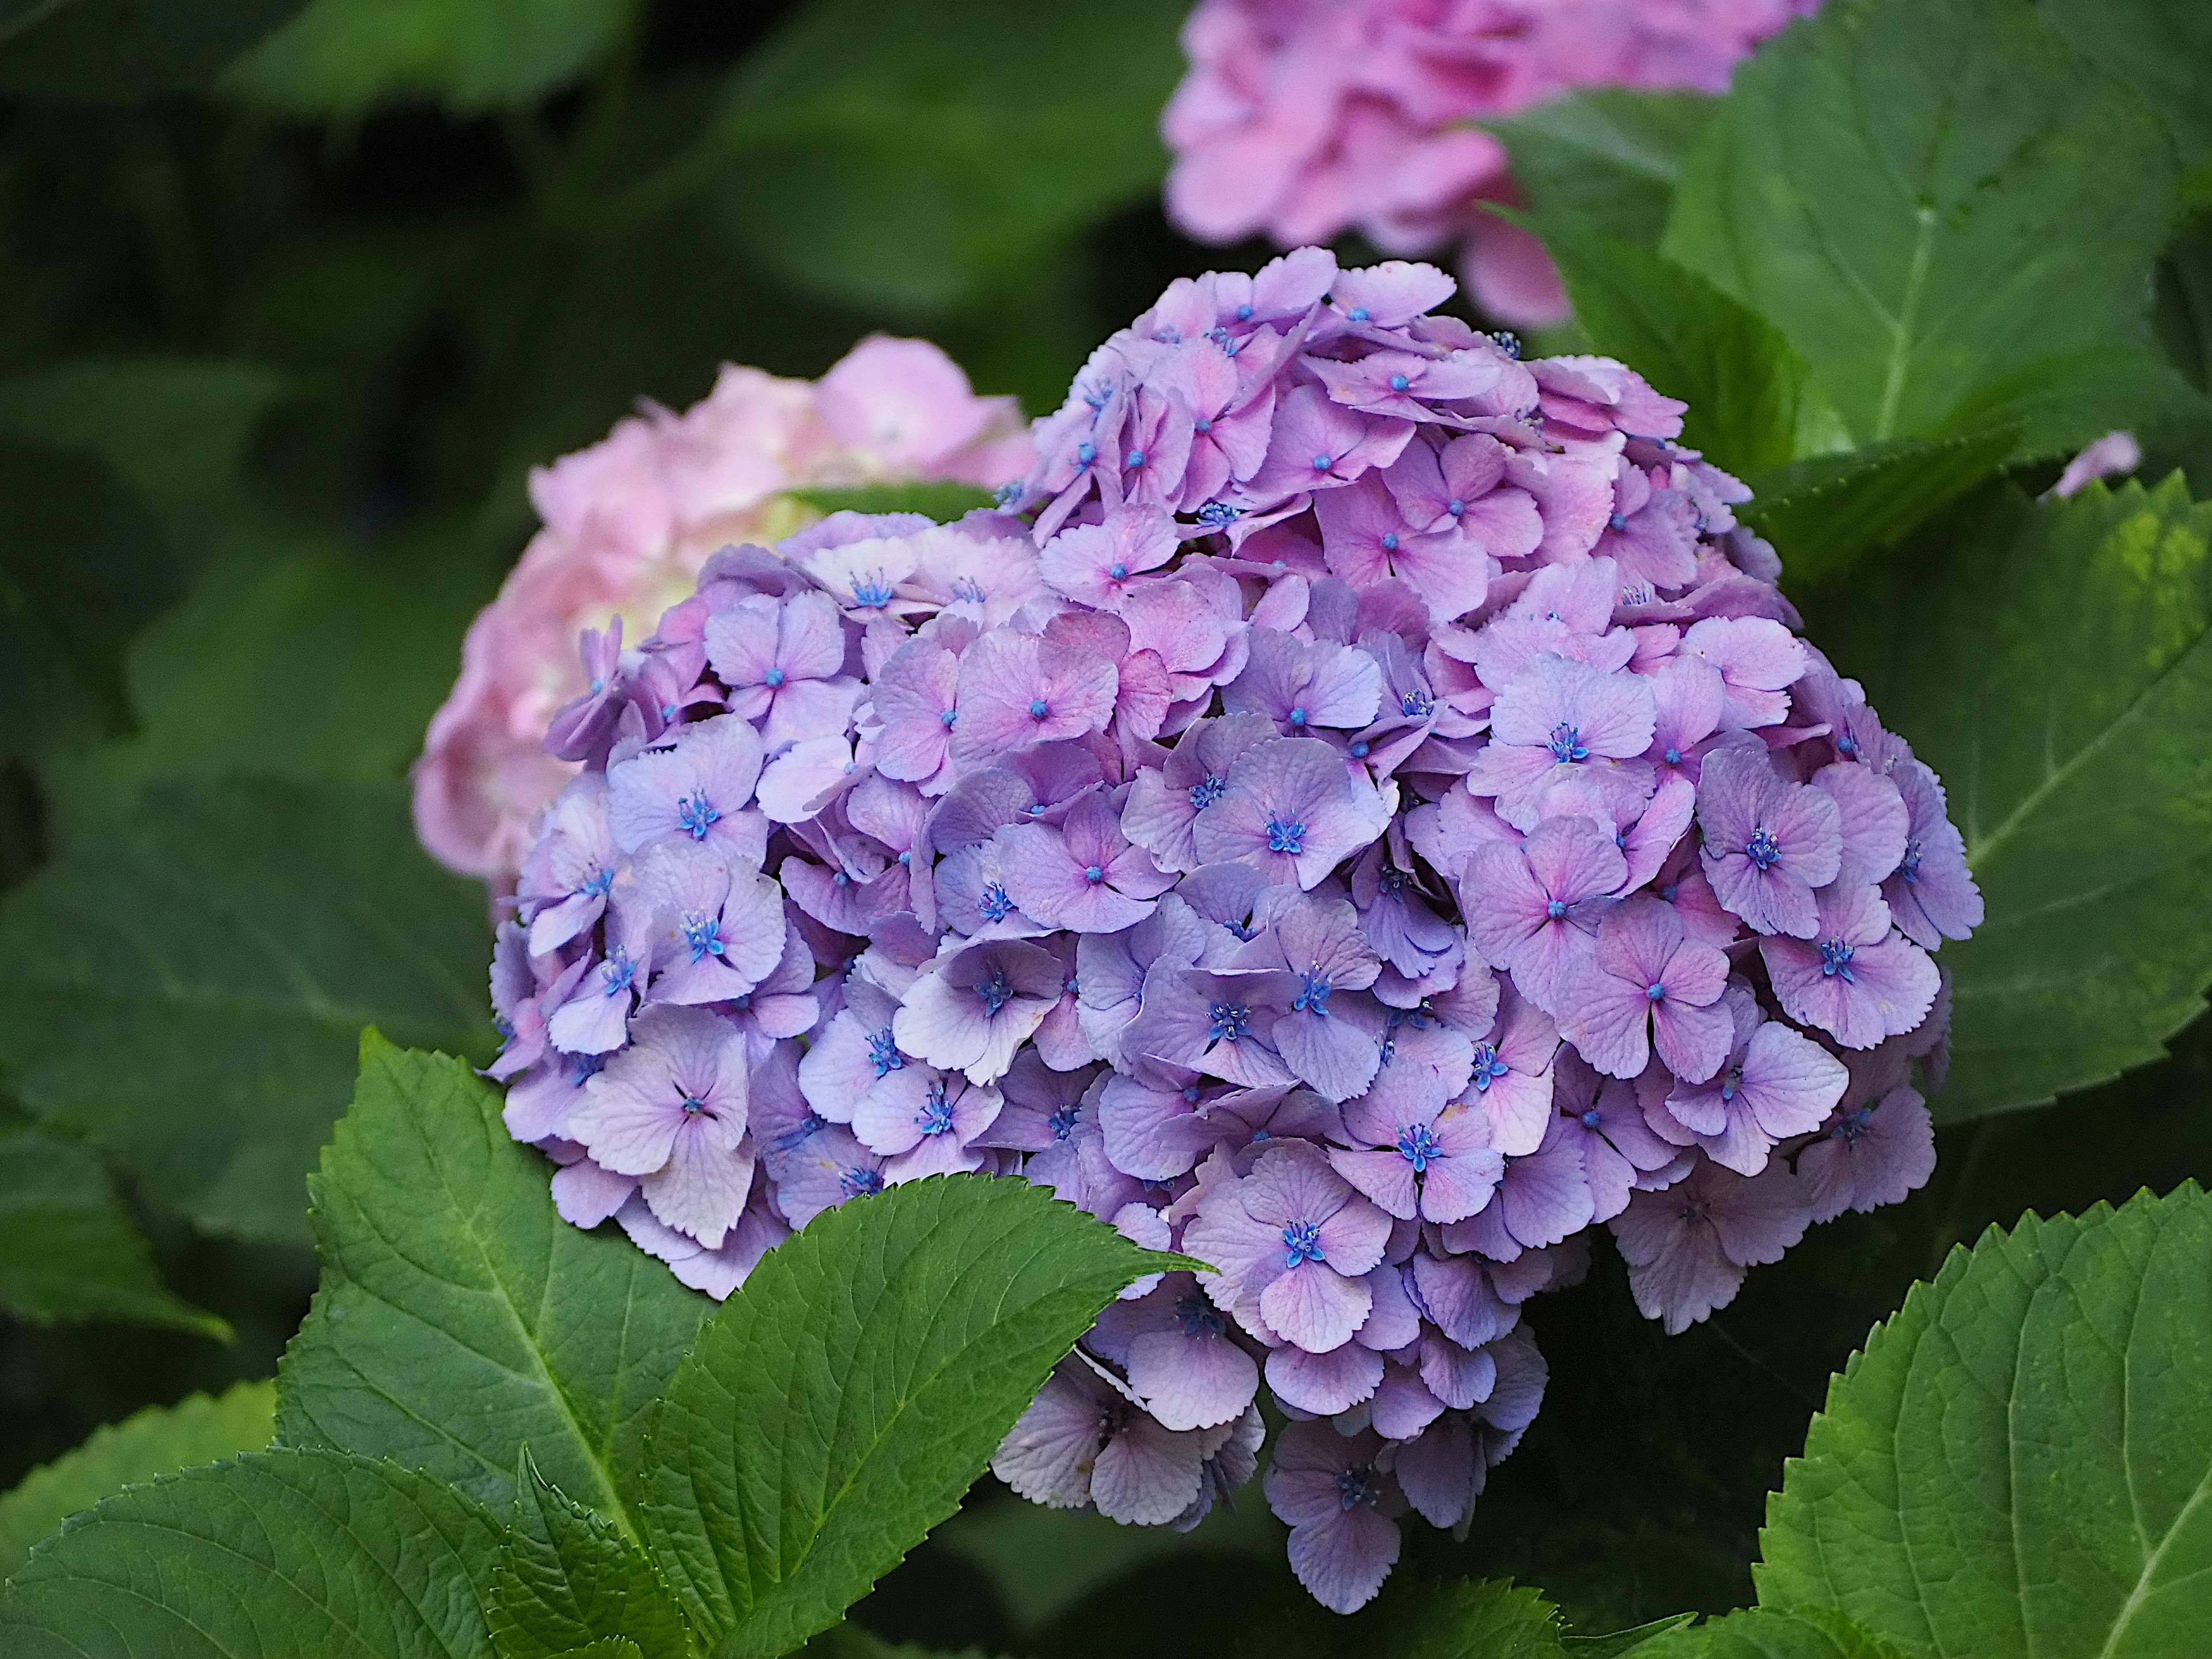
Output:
x=841 y=1403
x=1745 y=388
x=567 y=1577
x=340 y=57
x=82 y=566
x=2067 y=724
x=608 y=1647
x=459 y=1317
x=1606 y=159
x=944 y=500
x=1615 y=1645
x=175 y=428
x=221 y=942
x=2162 y=48
x=2020 y=1459
x=1459 y=1618
x=1920 y=197
x=109 y=51
x=1763 y=1633
x=1826 y=513
x=284 y=1552
x=158 y=1440
x=886 y=156
x=67 y=1250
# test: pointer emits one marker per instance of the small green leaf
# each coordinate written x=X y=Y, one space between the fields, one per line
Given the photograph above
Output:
x=1826 y=513
x=340 y=57
x=1762 y=1634
x=882 y=156
x=280 y=1553
x=2020 y=1459
x=1920 y=197
x=175 y=428
x=109 y=51
x=567 y=1577
x=67 y=1250
x=1605 y=160
x=1616 y=1644
x=607 y=1647
x=158 y=1440
x=1459 y=1618
x=2067 y=724
x=222 y=942
x=1745 y=388
x=459 y=1317
x=841 y=1403
x=943 y=502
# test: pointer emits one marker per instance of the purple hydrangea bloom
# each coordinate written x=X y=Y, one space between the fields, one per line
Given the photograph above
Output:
x=1294 y=1243
x=1768 y=842
x=671 y=1110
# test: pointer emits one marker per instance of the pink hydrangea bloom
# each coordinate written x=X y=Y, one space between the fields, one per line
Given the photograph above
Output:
x=1302 y=118
x=627 y=526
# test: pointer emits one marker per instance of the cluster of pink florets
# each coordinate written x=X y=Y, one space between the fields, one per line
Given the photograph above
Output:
x=1358 y=812
x=1302 y=118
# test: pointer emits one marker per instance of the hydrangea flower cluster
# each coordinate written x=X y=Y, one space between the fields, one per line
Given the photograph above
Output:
x=628 y=524
x=1301 y=118
x=1358 y=812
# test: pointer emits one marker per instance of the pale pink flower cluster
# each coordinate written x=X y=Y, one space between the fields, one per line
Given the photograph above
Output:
x=629 y=522
x=1302 y=119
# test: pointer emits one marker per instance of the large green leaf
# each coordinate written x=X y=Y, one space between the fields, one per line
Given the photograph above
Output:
x=2162 y=48
x=176 y=429
x=910 y=155
x=339 y=57
x=83 y=565
x=1823 y=513
x=567 y=1577
x=2020 y=1459
x=1457 y=1619
x=459 y=1317
x=186 y=983
x=1750 y=403
x=2067 y=724
x=281 y=1555
x=1920 y=196
x=1605 y=159
x=1763 y=1633
x=113 y=51
x=841 y=1403
x=158 y=1440
x=67 y=1250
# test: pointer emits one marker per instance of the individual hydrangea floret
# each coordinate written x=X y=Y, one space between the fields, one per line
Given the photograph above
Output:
x=1361 y=834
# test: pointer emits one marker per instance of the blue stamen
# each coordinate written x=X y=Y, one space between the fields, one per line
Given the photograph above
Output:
x=1762 y=849
x=1566 y=744
x=994 y=993
x=1416 y=1145
x=883 y=1053
x=772 y=678
x=935 y=1117
x=1037 y=709
x=697 y=815
x=1206 y=790
x=1302 y=1243
x=1230 y=1021
x=993 y=903
x=704 y=935
x=1836 y=960
x=1285 y=837
x=1199 y=1317
x=857 y=1182
x=1313 y=994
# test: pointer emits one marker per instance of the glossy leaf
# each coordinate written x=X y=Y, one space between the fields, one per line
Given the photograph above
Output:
x=1920 y=197
x=2020 y=1459
x=158 y=1440
x=1763 y=1633
x=459 y=1317
x=68 y=1251
x=1605 y=160
x=340 y=57
x=842 y=1400
x=1458 y=1619
x=1825 y=514
x=567 y=1577
x=281 y=1554
x=2067 y=724
x=221 y=942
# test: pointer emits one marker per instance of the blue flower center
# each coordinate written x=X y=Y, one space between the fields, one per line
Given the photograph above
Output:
x=1762 y=849
x=1322 y=462
x=693 y=1107
x=1087 y=453
x=1243 y=313
x=1910 y=868
x=1313 y=994
x=872 y=594
x=600 y=882
x=1614 y=521
x=1555 y=908
x=1134 y=459
x=704 y=935
x=993 y=903
x=582 y=1069
x=772 y=678
x=1357 y=314
x=618 y=972
x=883 y=1052
x=857 y=1182
x=1217 y=513
x=1416 y=1145
x=1399 y=383
x=1229 y=1021
x=1853 y=1125
x=1655 y=991
x=935 y=1117
x=1062 y=1122
x=1117 y=571
x=697 y=815
x=1455 y=507
x=1731 y=1084
x=1416 y=704
x=1567 y=743
x=1037 y=709
x=1285 y=837
x=1393 y=880
x=1199 y=1317
x=1591 y=1119
x=1206 y=790
x=994 y=993
x=1302 y=1243
x=948 y=718
x=1836 y=960
x=1674 y=755
x=1357 y=1487
x=1093 y=874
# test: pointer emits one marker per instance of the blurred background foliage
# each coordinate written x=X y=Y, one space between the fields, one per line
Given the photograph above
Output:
x=297 y=293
